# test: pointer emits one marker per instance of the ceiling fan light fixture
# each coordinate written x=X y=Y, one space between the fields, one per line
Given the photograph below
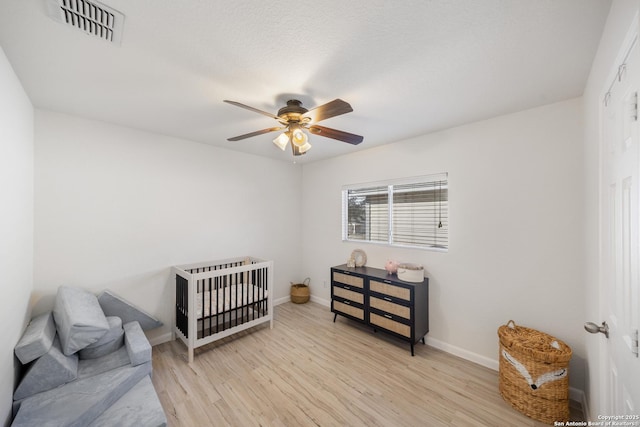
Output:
x=298 y=151
x=282 y=140
x=298 y=137
x=304 y=148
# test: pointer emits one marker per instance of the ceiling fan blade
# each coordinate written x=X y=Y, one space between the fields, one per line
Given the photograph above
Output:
x=336 y=134
x=328 y=110
x=237 y=104
x=256 y=133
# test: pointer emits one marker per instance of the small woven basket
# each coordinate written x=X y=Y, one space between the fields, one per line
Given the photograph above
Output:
x=300 y=291
x=534 y=373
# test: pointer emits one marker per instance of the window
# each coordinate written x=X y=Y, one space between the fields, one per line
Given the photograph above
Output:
x=411 y=212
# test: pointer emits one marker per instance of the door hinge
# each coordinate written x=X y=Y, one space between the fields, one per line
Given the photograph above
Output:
x=634 y=107
x=634 y=343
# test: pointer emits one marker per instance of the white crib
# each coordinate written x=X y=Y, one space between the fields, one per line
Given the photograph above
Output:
x=219 y=298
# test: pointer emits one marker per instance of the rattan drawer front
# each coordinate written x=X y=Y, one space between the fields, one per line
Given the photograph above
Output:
x=347 y=294
x=347 y=309
x=389 y=307
x=356 y=281
x=391 y=325
x=391 y=290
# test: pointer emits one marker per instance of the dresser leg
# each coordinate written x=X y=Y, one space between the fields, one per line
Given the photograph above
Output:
x=411 y=348
x=334 y=317
x=423 y=342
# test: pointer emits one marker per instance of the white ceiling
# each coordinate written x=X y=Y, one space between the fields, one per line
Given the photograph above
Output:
x=406 y=67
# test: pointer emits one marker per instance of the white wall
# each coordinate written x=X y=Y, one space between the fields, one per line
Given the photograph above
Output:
x=116 y=207
x=619 y=21
x=16 y=224
x=515 y=196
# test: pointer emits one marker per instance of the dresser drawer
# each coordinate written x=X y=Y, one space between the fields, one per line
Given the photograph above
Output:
x=356 y=312
x=348 y=294
x=390 y=325
x=391 y=290
x=390 y=307
x=346 y=279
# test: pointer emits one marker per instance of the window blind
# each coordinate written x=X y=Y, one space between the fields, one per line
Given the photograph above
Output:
x=367 y=217
x=420 y=214
x=411 y=212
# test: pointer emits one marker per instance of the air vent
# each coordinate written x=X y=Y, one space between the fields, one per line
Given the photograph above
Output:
x=92 y=17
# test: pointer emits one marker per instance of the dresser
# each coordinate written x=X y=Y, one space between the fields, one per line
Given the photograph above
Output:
x=373 y=297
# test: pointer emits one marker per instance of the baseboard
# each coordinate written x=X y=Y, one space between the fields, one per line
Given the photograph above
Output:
x=282 y=300
x=161 y=339
x=461 y=352
x=313 y=298
x=577 y=396
x=320 y=301
x=583 y=401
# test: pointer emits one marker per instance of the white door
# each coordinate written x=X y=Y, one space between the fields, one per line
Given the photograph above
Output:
x=620 y=191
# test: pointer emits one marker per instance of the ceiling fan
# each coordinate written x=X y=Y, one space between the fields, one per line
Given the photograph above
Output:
x=294 y=119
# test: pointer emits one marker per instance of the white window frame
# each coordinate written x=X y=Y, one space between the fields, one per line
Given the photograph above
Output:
x=380 y=187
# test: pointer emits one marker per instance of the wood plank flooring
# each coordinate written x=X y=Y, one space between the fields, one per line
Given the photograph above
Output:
x=309 y=371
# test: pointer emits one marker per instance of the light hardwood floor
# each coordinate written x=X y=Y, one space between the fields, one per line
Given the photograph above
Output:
x=309 y=371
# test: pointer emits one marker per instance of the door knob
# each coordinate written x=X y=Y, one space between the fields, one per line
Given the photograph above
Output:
x=594 y=329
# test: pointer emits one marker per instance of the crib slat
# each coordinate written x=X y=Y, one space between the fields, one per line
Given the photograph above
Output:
x=218 y=284
x=182 y=305
x=208 y=317
x=201 y=285
x=224 y=297
x=235 y=314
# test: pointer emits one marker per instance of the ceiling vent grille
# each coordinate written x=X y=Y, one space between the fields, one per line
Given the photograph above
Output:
x=92 y=17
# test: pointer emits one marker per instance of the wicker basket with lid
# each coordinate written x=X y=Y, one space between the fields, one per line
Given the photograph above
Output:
x=534 y=372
